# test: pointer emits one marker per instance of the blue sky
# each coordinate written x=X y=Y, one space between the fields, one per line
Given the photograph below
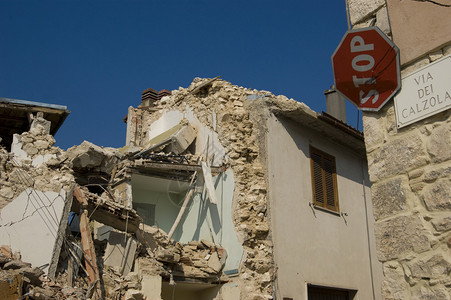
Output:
x=96 y=57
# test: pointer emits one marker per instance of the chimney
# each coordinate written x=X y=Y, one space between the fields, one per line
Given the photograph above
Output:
x=163 y=93
x=149 y=96
x=335 y=104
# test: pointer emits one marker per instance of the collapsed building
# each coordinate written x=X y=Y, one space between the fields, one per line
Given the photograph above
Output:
x=221 y=192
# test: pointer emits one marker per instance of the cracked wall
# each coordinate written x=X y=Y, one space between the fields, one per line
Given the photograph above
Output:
x=33 y=219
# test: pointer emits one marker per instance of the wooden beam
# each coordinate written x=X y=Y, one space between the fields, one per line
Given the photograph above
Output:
x=197 y=89
x=88 y=244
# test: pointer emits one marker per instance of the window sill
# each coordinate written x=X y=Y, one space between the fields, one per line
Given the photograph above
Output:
x=337 y=213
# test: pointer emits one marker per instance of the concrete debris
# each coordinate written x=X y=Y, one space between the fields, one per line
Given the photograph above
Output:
x=175 y=140
x=89 y=157
x=120 y=252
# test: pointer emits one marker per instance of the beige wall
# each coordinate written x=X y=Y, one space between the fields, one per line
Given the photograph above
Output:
x=419 y=27
x=310 y=245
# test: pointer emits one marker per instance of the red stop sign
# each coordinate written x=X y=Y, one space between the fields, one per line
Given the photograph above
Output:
x=366 y=68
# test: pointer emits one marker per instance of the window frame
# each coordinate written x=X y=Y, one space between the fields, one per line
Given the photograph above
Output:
x=326 y=185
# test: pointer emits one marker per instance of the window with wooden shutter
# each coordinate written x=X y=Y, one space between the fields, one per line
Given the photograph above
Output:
x=324 y=180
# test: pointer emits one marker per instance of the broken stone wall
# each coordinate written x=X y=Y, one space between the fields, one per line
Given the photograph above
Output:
x=221 y=107
x=34 y=162
x=35 y=180
x=411 y=173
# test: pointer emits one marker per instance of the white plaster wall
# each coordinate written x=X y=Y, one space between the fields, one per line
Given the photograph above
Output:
x=213 y=222
x=166 y=206
x=29 y=224
x=202 y=220
x=312 y=246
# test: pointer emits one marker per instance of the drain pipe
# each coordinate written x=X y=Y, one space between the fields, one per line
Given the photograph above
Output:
x=368 y=230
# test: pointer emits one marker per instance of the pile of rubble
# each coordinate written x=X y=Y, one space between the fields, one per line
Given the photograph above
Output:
x=19 y=280
x=36 y=164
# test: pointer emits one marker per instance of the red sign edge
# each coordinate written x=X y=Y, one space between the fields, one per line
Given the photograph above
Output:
x=398 y=66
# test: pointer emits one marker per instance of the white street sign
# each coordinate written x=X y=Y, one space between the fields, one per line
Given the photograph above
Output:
x=424 y=93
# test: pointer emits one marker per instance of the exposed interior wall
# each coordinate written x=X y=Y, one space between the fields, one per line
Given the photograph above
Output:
x=167 y=207
x=33 y=219
x=312 y=246
x=410 y=172
x=213 y=222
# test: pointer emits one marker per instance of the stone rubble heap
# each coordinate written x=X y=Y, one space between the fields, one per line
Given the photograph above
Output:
x=34 y=162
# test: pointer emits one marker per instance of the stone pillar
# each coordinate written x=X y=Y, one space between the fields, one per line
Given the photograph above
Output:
x=410 y=169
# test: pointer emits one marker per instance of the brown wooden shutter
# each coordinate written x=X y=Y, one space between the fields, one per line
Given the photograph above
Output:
x=324 y=180
x=318 y=189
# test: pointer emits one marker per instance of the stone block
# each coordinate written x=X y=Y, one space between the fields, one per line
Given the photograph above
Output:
x=90 y=156
x=30 y=149
x=394 y=285
x=7 y=192
x=429 y=293
x=400 y=236
x=442 y=224
x=132 y=294
x=146 y=235
x=214 y=262
x=41 y=144
x=382 y=21
x=169 y=255
x=433 y=56
x=390 y=119
x=182 y=139
x=373 y=125
x=413 y=67
x=360 y=10
x=16 y=148
x=397 y=156
x=39 y=121
x=447 y=50
x=437 y=196
x=431 y=267
x=151 y=287
x=439 y=143
x=432 y=175
x=101 y=231
x=230 y=291
x=389 y=198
